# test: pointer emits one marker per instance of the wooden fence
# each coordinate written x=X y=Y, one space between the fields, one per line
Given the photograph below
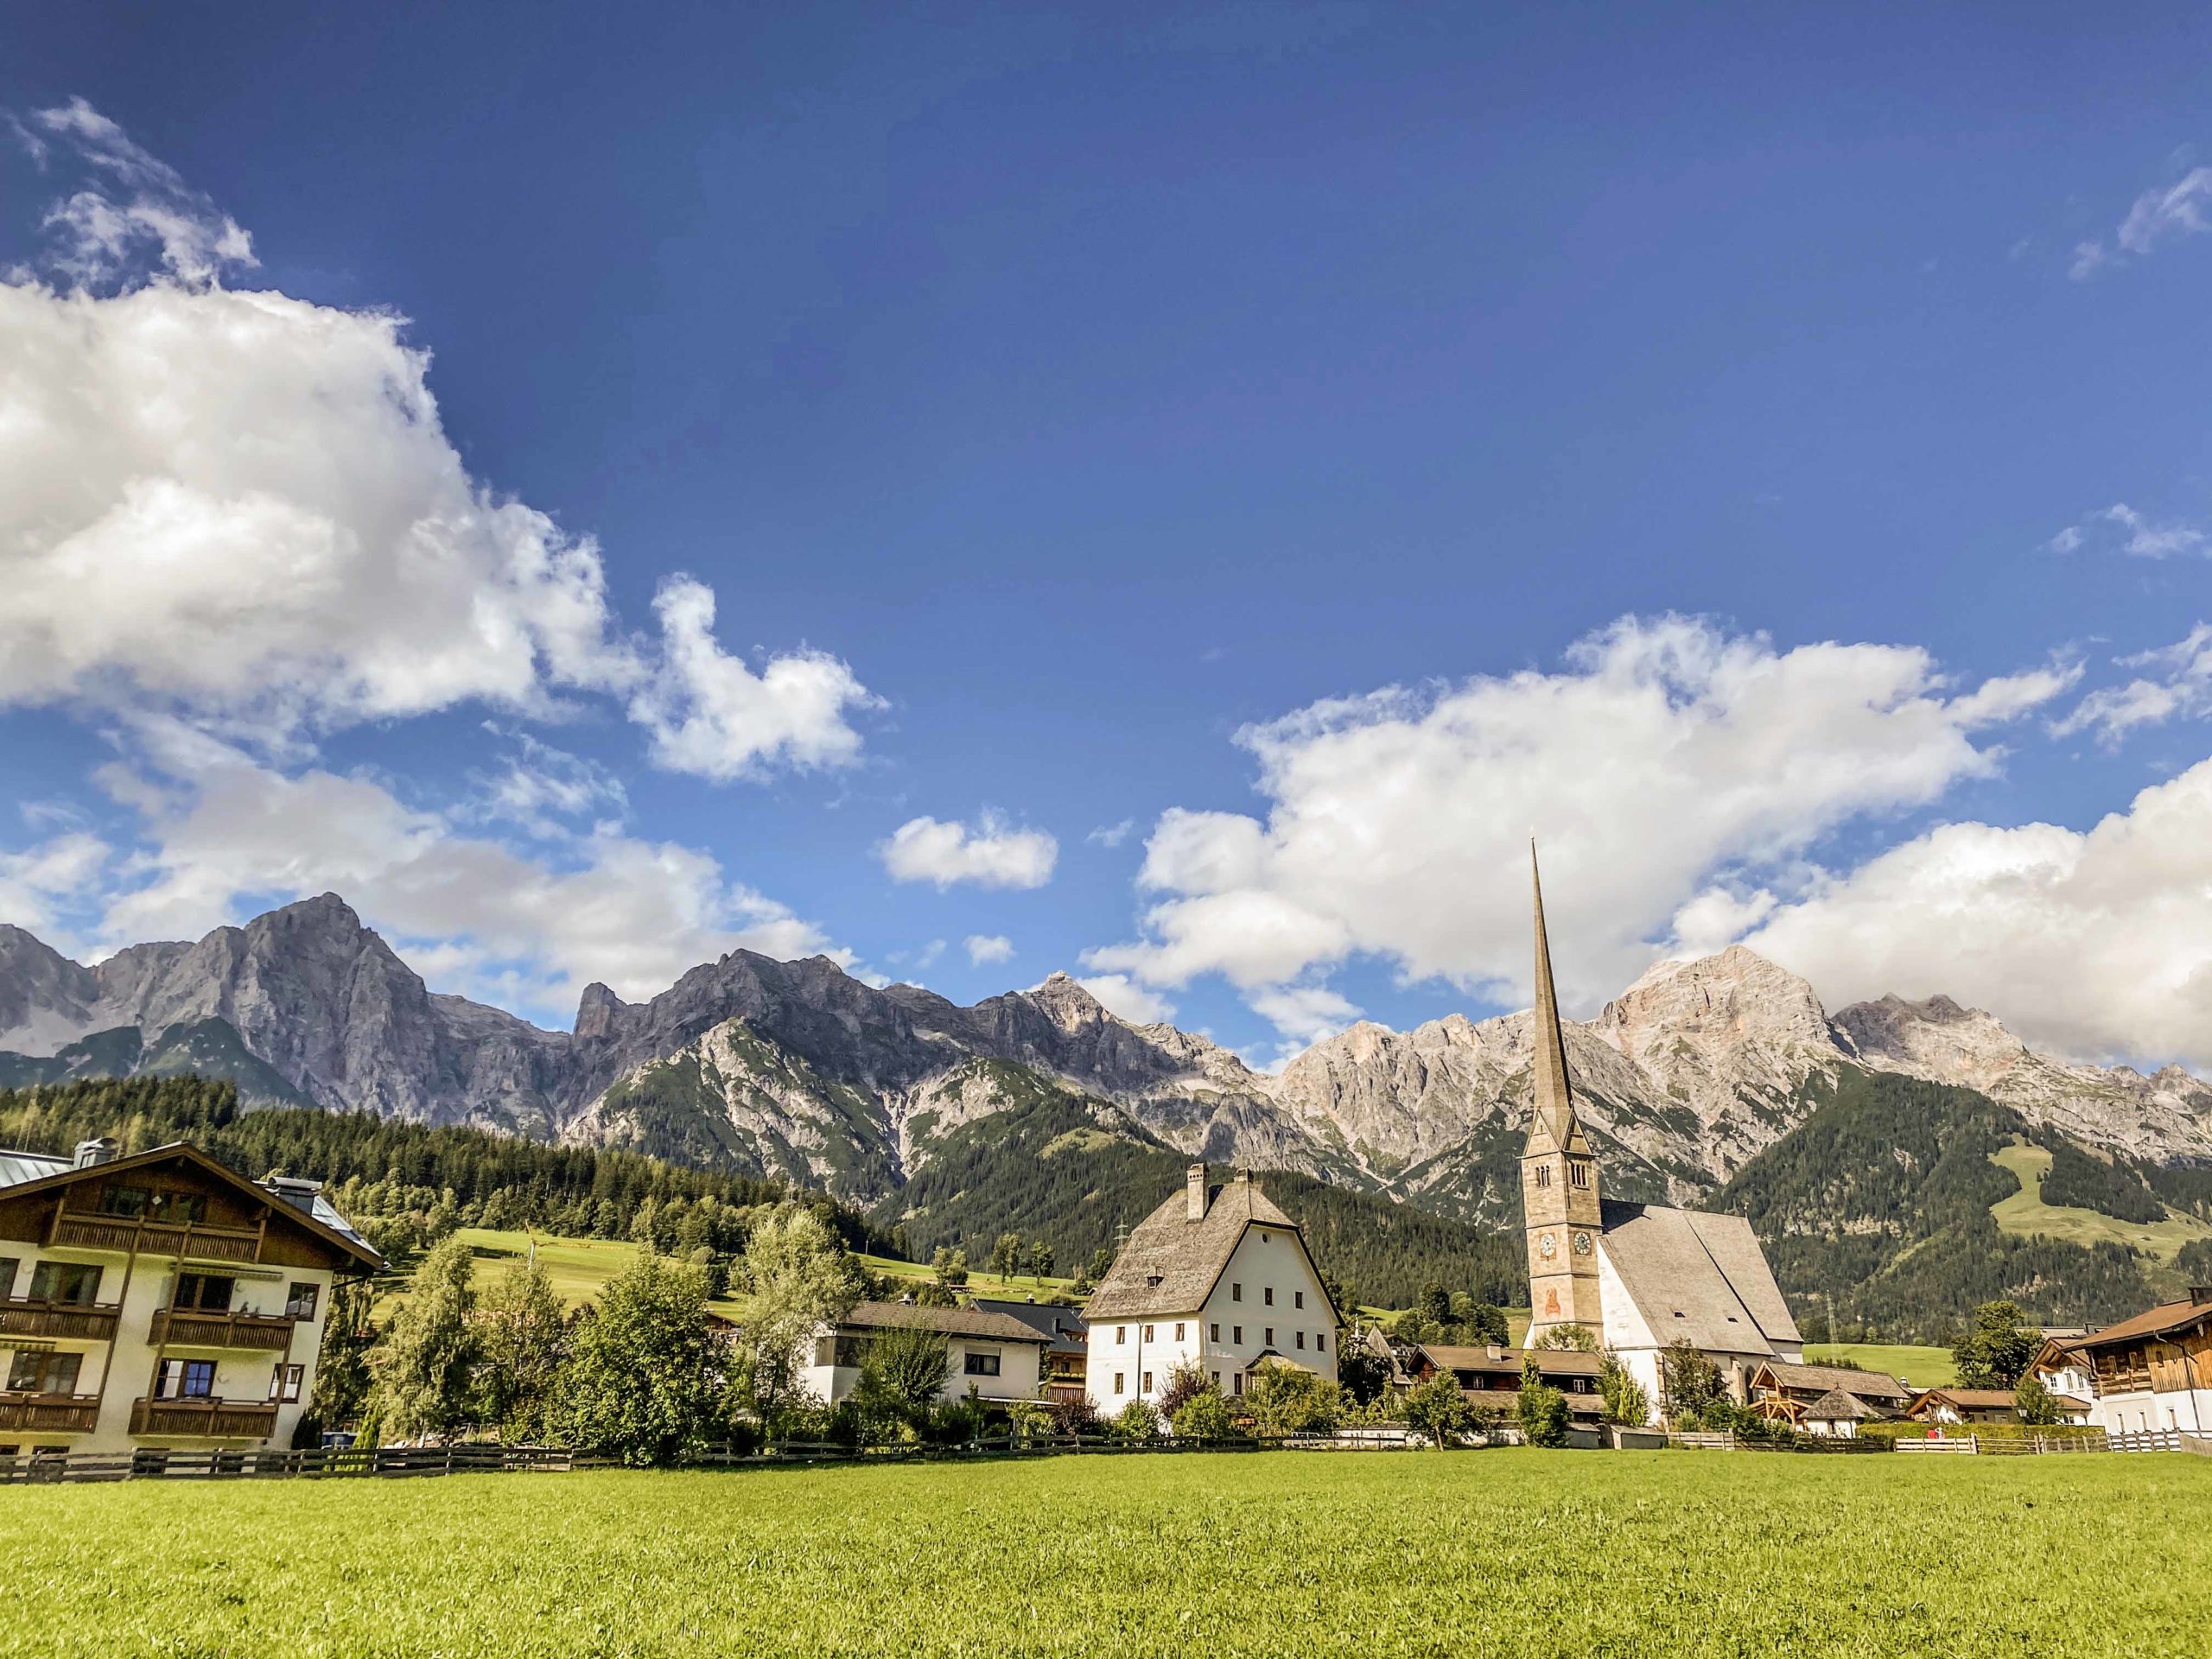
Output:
x=386 y=1461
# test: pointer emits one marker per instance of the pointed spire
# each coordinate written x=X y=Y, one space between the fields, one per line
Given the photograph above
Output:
x=1552 y=1103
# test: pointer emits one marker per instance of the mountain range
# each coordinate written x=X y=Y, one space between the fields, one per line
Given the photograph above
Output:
x=1689 y=1081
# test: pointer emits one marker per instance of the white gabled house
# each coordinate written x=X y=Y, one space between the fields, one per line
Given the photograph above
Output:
x=1217 y=1277
x=998 y=1356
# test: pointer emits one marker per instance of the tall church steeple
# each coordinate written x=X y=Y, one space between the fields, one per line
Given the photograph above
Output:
x=1558 y=1178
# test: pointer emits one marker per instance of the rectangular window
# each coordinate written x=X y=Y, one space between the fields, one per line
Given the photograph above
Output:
x=1297 y=1299
x=1238 y=1379
x=1267 y=1296
x=123 y=1201
x=1217 y=1378
x=1148 y=1382
x=186 y=1379
x=284 y=1384
x=1321 y=1341
x=300 y=1303
x=1121 y=1334
x=204 y=1293
x=43 y=1373
x=1237 y=1335
x=1120 y=1381
x=1270 y=1341
x=1213 y=1333
x=1543 y=1174
x=825 y=1350
x=1301 y=1339
x=178 y=1209
x=1236 y=1292
x=9 y=1264
x=1578 y=1173
x=73 y=1282
x=1178 y=1330
x=1147 y=1333
x=980 y=1365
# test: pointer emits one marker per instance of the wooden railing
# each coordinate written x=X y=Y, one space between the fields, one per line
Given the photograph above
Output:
x=187 y=1327
x=214 y=1419
x=83 y=1230
x=39 y=1316
x=49 y=1414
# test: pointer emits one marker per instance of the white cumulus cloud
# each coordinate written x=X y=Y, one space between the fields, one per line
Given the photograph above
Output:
x=990 y=853
x=1120 y=995
x=986 y=948
x=1666 y=754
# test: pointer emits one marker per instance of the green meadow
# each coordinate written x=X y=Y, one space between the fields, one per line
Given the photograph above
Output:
x=2027 y=1215
x=1501 y=1553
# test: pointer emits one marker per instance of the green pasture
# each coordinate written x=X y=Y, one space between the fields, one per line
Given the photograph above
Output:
x=2025 y=1213
x=1924 y=1368
x=1501 y=1553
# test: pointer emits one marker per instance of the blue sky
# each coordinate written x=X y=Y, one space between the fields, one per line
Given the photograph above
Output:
x=1057 y=395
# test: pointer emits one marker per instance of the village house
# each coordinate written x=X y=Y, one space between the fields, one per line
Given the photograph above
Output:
x=160 y=1302
x=1638 y=1277
x=1826 y=1400
x=2060 y=1366
x=1000 y=1358
x=1217 y=1278
x=1949 y=1406
x=1490 y=1376
x=2152 y=1371
x=1067 y=1359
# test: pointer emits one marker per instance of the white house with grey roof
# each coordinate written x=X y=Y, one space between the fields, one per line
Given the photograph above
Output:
x=1639 y=1277
x=1217 y=1277
x=1000 y=1358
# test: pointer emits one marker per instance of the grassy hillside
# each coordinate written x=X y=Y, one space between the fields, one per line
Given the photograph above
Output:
x=1924 y=1368
x=1245 y=1556
x=2149 y=1228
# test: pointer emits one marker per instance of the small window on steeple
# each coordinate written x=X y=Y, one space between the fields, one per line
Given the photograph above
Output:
x=1578 y=1173
x=1543 y=1174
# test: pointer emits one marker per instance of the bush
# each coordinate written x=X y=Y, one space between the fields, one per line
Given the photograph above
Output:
x=1437 y=1409
x=1625 y=1400
x=1137 y=1424
x=1204 y=1416
x=1290 y=1399
x=2033 y=1400
x=1544 y=1415
x=1185 y=1382
x=1075 y=1416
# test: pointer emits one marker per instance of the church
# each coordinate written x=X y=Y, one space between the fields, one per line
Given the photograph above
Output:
x=1638 y=1277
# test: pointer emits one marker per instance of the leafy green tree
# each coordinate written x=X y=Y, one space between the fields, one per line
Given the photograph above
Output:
x=1486 y=1324
x=1541 y=1408
x=1578 y=1338
x=911 y=1363
x=1041 y=1260
x=2035 y=1402
x=342 y=1377
x=648 y=1378
x=1625 y=1401
x=1689 y=1382
x=936 y=1294
x=1006 y=1255
x=1102 y=1263
x=1438 y=1409
x=1291 y=1399
x=1996 y=1349
x=1435 y=1306
x=1361 y=1373
x=425 y=1366
x=951 y=1267
x=523 y=1332
x=1185 y=1381
x=1204 y=1416
x=796 y=1276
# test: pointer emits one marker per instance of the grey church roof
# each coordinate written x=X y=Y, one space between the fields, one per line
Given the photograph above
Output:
x=1698 y=1276
x=1171 y=1262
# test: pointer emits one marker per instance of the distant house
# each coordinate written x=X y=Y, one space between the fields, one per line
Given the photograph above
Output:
x=2153 y=1371
x=1217 y=1277
x=1786 y=1391
x=998 y=1356
x=2060 y=1366
x=1835 y=1416
x=1948 y=1406
x=1067 y=1359
x=160 y=1302
x=1490 y=1375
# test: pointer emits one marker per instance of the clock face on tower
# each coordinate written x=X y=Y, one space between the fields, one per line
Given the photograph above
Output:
x=1582 y=1243
x=1547 y=1248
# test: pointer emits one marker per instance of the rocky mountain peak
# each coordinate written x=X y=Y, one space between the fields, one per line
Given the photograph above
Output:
x=1063 y=999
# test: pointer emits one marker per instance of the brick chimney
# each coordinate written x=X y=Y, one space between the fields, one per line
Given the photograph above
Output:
x=1194 y=1193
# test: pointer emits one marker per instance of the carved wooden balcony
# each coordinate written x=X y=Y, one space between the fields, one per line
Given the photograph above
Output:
x=37 y=1316
x=212 y=1419
x=184 y=1327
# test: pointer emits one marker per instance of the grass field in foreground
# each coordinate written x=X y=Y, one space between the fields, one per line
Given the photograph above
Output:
x=1500 y=1552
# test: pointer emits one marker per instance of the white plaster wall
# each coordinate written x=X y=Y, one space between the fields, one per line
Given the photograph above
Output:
x=1019 y=1371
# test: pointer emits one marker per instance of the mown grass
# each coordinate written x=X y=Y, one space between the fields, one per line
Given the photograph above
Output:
x=1924 y=1368
x=1503 y=1553
x=2027 y=1215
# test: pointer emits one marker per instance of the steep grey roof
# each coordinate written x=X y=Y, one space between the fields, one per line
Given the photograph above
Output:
x=952 y=1321
x=1865 y=1385
x=1698 y=1276
x=1171 y=1262
x=19 y=1166
x=1065 y=1327
x=1837 y=1407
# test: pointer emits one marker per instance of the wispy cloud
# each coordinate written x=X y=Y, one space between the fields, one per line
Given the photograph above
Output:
x=2160 y=214
x=2120 y=529
x=2179 y=686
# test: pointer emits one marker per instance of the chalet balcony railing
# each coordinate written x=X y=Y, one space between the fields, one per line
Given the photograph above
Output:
x=85 y=1230
x=37 y=1316
x=184 y=1327
x=213 y=1419
x=48 y=1414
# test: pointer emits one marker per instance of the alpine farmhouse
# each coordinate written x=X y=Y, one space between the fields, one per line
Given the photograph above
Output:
x=160 y=1302
x=1217 y=1277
